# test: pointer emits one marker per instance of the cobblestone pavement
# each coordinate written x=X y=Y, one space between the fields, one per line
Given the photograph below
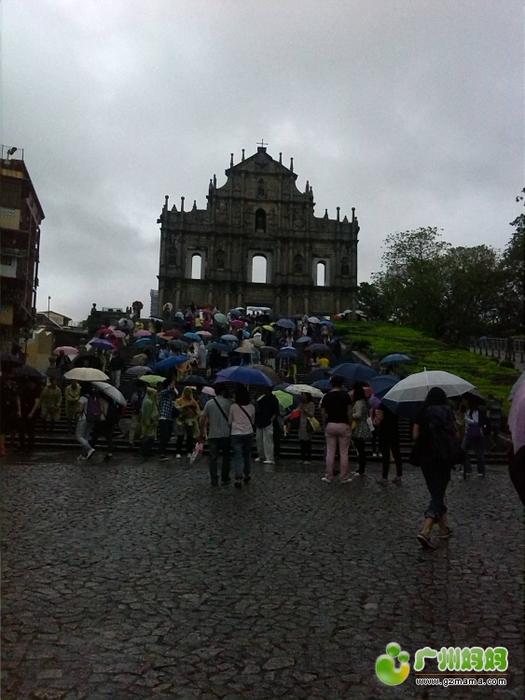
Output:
x=133 y=580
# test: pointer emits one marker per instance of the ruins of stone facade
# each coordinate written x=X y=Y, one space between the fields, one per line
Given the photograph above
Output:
x=306 y=264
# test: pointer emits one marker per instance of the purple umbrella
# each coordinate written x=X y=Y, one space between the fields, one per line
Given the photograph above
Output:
x=101 y=344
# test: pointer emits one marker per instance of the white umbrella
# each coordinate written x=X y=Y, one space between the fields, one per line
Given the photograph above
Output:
x=516 y=384
x=86 y=374
x=313 y=319
x=110 y=391
x=304 y=389
x=415 y=387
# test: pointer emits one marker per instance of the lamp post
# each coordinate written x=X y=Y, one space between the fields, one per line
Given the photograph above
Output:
x=48 y=306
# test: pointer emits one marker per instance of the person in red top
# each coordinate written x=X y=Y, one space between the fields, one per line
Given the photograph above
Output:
x=336 y=411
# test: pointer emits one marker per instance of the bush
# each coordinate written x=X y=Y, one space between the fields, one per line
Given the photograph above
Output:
x=506 y=363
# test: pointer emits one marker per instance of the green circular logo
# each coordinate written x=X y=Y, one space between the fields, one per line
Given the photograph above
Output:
x=387 y=670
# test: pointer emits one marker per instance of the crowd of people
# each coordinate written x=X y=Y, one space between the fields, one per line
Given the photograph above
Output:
x=167 y=382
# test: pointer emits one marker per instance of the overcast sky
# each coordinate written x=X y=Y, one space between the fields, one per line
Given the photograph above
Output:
x=409 y=110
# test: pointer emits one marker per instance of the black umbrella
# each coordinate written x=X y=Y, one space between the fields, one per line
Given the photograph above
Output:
x=27 y=372
x=195 y=380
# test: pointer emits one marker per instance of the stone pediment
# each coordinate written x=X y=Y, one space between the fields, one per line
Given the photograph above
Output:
x=260 y=163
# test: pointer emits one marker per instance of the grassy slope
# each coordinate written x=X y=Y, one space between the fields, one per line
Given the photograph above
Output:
x=385 y=338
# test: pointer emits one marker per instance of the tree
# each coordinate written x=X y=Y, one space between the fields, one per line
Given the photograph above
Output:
x=371 y=301
x=511 y=297
x=412 y=282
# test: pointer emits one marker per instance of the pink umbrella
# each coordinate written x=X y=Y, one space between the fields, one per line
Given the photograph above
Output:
x=141 y=334
x=205 y=334
x=118 y=334
x=208 y=390
x=237 y=324
x=66 y=350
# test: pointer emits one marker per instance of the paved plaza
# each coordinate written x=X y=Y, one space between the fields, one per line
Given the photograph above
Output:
x=131 y=580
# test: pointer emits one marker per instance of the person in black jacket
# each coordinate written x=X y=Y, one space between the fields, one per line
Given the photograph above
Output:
x=435 y=451
x=266 y=411
x=388 y=436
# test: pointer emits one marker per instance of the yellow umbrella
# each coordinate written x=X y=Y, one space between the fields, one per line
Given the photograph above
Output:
x=152 y=379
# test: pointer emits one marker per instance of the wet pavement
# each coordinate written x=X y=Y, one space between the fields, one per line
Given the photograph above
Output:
x=131 y=580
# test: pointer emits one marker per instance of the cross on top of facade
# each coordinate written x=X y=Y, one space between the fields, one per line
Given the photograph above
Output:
x=261 y=143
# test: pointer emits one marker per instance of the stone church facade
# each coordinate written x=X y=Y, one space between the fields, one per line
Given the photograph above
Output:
x=258 y=243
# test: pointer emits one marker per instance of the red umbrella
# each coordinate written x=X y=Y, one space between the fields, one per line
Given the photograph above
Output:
x=142 y=334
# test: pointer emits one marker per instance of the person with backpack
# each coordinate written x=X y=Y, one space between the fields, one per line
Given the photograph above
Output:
x=241 y=418
x=266 y=411
x=360 y=428
x=386 y=426
x=435 y=451
x=214 y=423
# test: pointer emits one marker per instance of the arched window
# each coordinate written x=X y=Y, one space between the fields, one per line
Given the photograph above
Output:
x=345 y=267
x=260 y=220
x=320 y=278
x=196 y=267
x=298 y=264
x=259 y=269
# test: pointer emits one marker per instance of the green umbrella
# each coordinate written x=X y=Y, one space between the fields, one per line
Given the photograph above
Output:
x=286 y=400
x=152 y=379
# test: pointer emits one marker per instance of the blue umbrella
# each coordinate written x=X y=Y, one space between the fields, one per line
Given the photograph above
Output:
x=325 y=322
x=354 y=372
x=285 y=323
x=383 y=383
x=303 y=339
x=397 y=358
x=141 y=342
x=242 y=374
x=101 y=344
x=220 y=347
x=229 y=338
x=170 y=362
x=323 y=384
x=192 y=337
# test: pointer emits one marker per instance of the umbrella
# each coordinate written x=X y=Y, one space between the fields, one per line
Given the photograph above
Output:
x=138 y=370
x=285 y=323
x=192 y=337
x=66 y=350
x=243 y=375
x=110 y=391
x=101 y=344
x=517 y=417
x=318 y=374
x=304 y=389
x=139 y=359
x=178 y=345
x=172 y=333
x=170 y=362
x=318 y=348
x=397 y=358
x=407 y=395
x=142 y=342
x=194 y=379
x=516 y=384
x=125 y=324
x=152 y=379
x=323 y=384
x=325 y=322
x=220 y=319
x=268 y=350
x=142 y=333
x=229 y=338
x=287 y=352
x=27 y=372
x=237 y=324
x=118 y=334
x=271 y=329
x=269 y=372
x=205 y=334
x=354 y=372
x=246 y=348
x=220 y=347
x=86 y=374
x=383 y=383
x=285 y=399
x=313 y=319
x=208 y=390
x=303 y=339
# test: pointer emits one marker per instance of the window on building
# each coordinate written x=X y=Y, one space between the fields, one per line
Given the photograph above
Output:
x=196 y=267
x=298 y=264
x=320 y=278
x=260 y=220
x=259 y=269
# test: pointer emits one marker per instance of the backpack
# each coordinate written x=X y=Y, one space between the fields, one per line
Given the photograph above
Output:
x=93 y=410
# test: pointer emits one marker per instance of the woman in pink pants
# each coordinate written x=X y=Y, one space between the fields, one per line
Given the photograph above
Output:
x=336 y=410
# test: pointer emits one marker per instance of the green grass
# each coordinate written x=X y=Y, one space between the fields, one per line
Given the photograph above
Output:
x=385 y=338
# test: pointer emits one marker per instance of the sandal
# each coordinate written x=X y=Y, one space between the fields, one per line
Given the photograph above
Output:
x=425 y=541
x=446 y=533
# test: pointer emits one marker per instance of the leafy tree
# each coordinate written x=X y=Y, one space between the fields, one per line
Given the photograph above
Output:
x=371 y=301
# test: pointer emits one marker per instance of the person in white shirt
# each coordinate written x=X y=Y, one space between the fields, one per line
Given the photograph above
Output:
x=242 y=415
